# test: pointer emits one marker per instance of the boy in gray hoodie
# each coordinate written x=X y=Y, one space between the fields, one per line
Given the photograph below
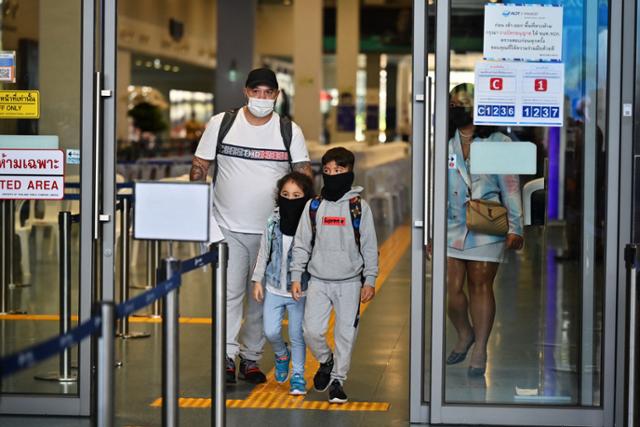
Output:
x=336 y=243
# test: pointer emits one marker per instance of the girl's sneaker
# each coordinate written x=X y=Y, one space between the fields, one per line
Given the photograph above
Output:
x=282 y=368
x=298 y=385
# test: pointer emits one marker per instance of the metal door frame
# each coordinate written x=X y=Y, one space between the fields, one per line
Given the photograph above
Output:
x=78 y=404
x=434 y=409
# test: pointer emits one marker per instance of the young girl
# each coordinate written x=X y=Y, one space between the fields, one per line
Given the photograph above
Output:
x=272 y=271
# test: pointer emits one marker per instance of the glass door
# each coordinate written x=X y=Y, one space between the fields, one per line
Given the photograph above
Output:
x=52 y=51
x=524 y=234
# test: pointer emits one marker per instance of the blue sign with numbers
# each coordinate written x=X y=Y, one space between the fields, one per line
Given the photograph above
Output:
x=540 y=111
x=496 y=111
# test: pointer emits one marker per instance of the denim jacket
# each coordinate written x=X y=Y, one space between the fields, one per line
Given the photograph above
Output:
x=500 y=188
x=268 y=267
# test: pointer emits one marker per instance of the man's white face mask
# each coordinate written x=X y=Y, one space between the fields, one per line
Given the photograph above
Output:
x=261 y=107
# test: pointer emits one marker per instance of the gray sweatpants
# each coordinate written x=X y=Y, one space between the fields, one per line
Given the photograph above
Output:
x=243 y=251
x=345 y=300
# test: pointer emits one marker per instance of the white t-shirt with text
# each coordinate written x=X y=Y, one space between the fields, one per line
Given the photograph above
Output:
x=250 y=162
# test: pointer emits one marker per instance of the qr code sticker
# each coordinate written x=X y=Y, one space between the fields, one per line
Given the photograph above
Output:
x=5 y=74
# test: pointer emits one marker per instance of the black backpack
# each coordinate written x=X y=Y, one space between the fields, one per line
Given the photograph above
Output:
x=286 y=130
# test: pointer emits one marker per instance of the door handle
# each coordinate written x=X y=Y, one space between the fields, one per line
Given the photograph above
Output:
x=428 y=164
x=97 y=154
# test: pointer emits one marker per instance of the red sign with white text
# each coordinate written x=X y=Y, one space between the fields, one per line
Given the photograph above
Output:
x=31 y=174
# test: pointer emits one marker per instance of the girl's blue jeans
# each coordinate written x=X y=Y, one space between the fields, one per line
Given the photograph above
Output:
x=273 y=314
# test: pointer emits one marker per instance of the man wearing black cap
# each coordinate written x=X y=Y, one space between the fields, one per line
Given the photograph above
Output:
x=252 y=148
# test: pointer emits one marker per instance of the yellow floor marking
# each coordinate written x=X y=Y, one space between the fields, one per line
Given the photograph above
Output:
x=272 y=395
x=290 y=402
x=132 y=319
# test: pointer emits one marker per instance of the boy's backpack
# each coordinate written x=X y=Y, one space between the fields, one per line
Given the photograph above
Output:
x=286 y=130
x=355 y=210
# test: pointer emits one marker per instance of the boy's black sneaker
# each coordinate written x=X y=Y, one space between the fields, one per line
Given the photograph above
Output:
x=230 y=370
x=322 y=378
x=336 y=393
x=250 y=371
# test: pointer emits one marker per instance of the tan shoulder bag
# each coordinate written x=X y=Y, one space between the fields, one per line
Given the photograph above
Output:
x=486 y=216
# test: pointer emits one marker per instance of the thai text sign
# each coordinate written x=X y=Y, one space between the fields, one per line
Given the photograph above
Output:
x=519 y=94
x=31 y=174
x=31 y=162
x=527 y=33
x=19 y=104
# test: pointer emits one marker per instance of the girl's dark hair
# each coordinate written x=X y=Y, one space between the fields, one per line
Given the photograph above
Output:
x=301 y=180
x=341 y=156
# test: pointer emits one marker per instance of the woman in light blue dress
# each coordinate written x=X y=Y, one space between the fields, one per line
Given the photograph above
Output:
x=470 y=254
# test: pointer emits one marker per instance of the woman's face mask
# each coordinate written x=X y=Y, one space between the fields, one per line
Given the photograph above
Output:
x=460 y=116
x=261 y=107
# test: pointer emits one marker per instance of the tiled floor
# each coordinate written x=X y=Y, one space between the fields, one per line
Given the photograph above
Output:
x=533 y=346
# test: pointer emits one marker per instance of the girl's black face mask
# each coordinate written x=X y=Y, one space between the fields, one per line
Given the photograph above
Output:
x=460 y=116
x=336 y=186
x=290 y=212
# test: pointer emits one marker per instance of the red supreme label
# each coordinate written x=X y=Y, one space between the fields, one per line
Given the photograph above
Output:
x=339 y=221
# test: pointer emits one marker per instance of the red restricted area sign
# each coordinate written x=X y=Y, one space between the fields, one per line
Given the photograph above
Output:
x=31 y=174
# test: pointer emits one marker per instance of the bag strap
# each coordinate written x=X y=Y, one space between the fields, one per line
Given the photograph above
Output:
x=227 y=121
x=355 y=209
x=286 y=131
x=313 y=213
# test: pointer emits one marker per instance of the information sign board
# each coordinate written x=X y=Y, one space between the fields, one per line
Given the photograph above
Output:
x=8 y=66
x=523 y=32
x=519 y=94
x=19 y=104
x=31 y=174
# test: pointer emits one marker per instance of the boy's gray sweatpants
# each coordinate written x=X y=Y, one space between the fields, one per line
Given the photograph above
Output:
x=345 y=300
x=243 y=251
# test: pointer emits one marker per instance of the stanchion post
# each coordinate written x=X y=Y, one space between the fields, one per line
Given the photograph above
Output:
x=632 y=362
x=170 y=343
x=155 y=256
x=3 y=258
x=123 y=330
x=106 y=393
x=10 y=232
x=64 y=274
x=219 y=338
x=8 y=258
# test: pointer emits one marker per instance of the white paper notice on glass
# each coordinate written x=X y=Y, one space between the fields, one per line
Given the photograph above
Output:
x=519 y=93
x=523 y=32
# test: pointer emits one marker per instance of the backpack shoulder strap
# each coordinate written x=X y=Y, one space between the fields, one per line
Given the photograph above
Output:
x=286 y=130
x=313 y=214
x=355 y=209
x=227 y=121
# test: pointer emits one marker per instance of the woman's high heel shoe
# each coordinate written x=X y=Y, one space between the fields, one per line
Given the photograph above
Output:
x=455 y=357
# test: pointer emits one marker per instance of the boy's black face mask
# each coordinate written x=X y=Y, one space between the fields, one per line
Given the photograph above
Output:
x=336 y=186
x=290 y=212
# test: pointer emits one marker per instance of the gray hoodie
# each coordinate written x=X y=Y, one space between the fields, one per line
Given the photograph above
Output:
x=335 y=256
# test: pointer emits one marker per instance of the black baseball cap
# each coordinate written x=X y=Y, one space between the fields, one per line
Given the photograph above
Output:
x=262 y=76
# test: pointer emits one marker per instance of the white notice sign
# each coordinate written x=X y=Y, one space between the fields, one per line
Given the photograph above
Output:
x=519 y=94
x=31 y=187
x=31 y=162
x=31 y=174
x=528 y=33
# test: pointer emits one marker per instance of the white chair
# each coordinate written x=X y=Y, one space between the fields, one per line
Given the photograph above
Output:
x=49 y=220
x=376 y=186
